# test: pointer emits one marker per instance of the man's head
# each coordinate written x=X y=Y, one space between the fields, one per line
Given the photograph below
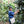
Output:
x=10 y=8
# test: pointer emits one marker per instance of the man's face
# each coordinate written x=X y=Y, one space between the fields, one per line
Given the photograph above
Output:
x=10 y=9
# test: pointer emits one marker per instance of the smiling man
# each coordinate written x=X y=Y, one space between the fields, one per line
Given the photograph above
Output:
x=11 y=15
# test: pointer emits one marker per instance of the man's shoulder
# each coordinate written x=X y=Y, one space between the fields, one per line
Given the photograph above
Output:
x=10 y=11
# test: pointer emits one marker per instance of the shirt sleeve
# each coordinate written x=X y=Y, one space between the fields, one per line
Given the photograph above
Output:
x=12 y=13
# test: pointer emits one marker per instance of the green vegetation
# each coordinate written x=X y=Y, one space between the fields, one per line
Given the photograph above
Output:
x=4 y=12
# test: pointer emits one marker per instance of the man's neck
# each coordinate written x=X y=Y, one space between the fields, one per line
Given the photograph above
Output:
x=9 y=10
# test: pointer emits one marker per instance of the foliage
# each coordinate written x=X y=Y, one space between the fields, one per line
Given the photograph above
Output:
x=4 y=13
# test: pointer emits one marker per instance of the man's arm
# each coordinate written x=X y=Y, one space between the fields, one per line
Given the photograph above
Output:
x=16 y=12
x=13 y=13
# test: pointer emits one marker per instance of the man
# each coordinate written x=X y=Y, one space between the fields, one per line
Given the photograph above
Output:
x=11 y=15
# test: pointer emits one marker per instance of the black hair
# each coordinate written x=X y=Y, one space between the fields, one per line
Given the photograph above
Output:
x=10 y=7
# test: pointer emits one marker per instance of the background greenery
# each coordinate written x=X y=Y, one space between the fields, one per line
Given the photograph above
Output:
x=5 y=8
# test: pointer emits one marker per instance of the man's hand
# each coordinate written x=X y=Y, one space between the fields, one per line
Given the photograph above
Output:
x=16 y=11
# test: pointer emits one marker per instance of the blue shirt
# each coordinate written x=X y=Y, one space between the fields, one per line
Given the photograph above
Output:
x=11 y=14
